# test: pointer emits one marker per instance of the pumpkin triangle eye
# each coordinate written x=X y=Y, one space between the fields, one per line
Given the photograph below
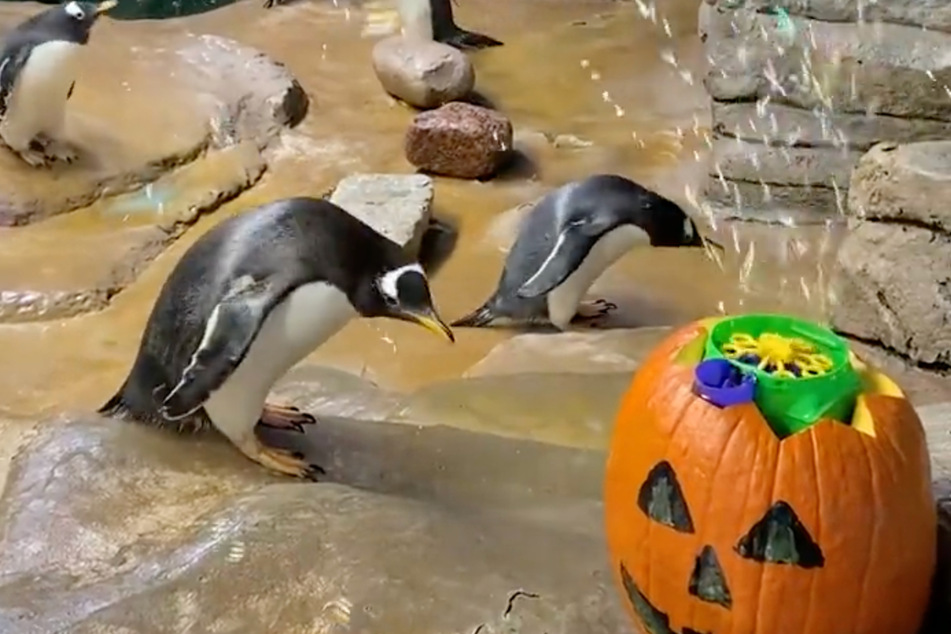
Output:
x=707 y=581
x=662 y=499
x=780 y=538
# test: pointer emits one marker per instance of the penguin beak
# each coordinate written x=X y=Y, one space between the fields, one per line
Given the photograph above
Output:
x=432 y=322
x=106 y=6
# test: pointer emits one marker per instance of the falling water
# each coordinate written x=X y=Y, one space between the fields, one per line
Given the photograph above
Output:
x=784 y=245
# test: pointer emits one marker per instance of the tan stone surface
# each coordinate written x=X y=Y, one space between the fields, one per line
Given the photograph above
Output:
x=904 y=183
x=423 y=74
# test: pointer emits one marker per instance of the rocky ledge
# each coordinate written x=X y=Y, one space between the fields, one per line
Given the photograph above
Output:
x=112 y=526
x=892 y=285
x=164 y=136
x=800 y=89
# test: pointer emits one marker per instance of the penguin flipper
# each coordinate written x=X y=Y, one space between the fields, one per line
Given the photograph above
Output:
x=481 y=316
x=570 y=249
x=231 y=328
x=462 y=39
x=10 y=69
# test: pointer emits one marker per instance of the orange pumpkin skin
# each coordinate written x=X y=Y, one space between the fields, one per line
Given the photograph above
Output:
x=864 y=499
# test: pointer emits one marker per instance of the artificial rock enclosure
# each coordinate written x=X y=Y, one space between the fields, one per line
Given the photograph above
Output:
x=431 y=525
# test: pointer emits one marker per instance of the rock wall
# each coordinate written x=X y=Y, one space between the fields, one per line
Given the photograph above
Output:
x=892 y=285
x=801 y=88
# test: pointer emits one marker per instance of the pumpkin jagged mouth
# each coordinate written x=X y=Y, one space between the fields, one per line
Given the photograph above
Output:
x=654 y=620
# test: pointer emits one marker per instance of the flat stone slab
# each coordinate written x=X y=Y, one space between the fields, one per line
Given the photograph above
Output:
x=904 y=183
x=775 y=123
x=772 y=203
x=419 y=531
x=878 y=68
x=149 y=171
x=609 y=351
x=931 y=14
x=399 y=206
x=785 y=166
x=76 y=263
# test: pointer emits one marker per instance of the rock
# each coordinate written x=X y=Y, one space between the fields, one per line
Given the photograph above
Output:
x=789 y=166
x=230 y=103
x=424 y=74
x=257 y=97
x=610 y=351
x=397 y=205
x=112 y=527
x=904 y=183
x=77 y=263
x=772 y=122
x=931 y=14
x=127 y=136
x=771 y=203
x=878 y=68
x=893 y=286
x=936 y=419
x=459 y=140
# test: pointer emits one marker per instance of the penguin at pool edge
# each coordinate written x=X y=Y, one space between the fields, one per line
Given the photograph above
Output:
x=38 y=66
x=568 y=240
x=249 y=300
x=438 y=19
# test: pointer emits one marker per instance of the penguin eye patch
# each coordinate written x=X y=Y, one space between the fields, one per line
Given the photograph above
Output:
x=75 y=11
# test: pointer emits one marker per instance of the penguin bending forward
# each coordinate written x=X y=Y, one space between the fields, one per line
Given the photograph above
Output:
x=38 y=65
x=250 y=299
x=568 y=240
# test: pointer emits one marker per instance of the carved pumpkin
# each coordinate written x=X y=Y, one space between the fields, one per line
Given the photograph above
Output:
x=716 y=525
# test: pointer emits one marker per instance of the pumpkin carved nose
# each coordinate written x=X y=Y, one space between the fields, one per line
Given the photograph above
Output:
x=707 y=582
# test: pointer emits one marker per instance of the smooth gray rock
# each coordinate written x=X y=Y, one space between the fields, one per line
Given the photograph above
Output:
x=786 y=166
x=397 y=205
x=892 y=286
x=424 y=74
x=778 y=124
x=904 y=183
x=112 y=527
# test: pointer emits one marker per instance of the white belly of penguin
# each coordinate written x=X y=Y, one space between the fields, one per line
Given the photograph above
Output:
x=563 y=300
x=38 y=100
x=416 y=17
x=309 y=316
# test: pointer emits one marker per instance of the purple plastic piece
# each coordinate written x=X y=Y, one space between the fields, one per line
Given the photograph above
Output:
x=723 y=384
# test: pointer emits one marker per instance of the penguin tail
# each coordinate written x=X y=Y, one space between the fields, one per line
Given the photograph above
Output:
x=463 y=39
x=482 y=316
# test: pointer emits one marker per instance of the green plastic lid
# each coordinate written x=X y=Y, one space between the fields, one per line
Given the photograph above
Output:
x=802 y=369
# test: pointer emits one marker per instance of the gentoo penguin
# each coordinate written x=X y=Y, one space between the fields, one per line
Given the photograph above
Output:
x=249 y=300
x=568 y=240
x=38 y=65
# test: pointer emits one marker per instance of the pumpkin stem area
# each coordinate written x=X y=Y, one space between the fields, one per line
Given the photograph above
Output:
x=795 y=371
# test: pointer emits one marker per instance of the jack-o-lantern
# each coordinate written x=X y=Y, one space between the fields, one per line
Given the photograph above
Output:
x=719 y=521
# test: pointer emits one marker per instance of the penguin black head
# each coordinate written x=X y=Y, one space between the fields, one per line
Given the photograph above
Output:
x=71 y=21
x=402 y=293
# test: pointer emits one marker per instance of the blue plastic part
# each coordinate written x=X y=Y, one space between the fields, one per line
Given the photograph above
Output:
x=721 y=383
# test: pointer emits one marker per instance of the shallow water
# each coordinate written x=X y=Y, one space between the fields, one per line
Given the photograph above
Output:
x=595 y=70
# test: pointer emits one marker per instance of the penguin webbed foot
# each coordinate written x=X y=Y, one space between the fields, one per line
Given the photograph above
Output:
x=592 y=312
x=54 y=149
x=35 y=155
x=285 y=417
x=290 y=463
x=470 y=40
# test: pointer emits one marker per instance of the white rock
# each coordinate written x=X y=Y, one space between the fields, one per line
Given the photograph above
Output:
x=423 y=74
x=397 y=205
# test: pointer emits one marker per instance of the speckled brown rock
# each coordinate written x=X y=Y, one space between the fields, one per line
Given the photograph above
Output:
x=459 y=140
